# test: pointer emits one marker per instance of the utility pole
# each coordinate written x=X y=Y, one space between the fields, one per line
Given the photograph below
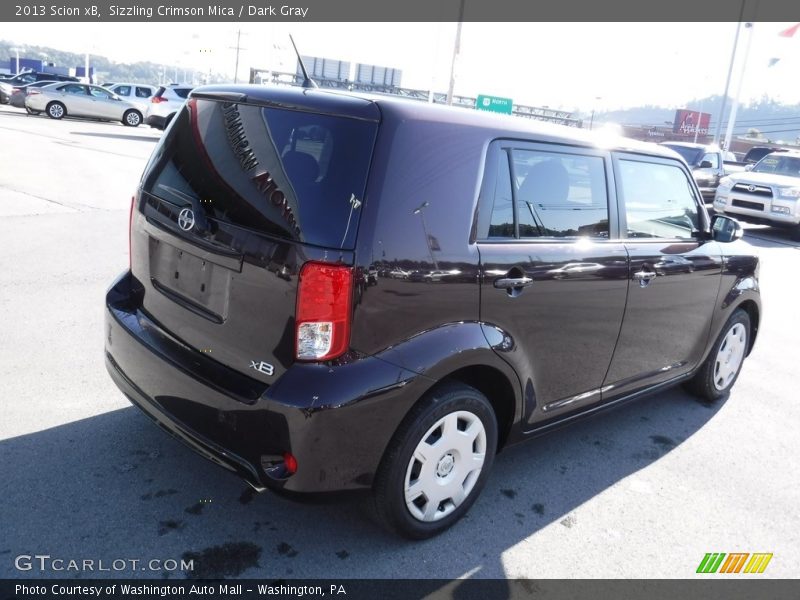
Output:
x=456 y=50
x=718 y=130
x=237 y=47
x=735 y=105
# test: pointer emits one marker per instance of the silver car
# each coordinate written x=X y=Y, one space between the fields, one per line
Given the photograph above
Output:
x=137 y=93
x=166 y=102
x=59 y=100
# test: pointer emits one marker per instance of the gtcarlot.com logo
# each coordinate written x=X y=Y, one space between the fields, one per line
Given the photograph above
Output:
x=735 y=562
x=45 y=562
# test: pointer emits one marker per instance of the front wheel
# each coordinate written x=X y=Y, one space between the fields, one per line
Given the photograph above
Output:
x=56 y=110
x=132 y=118
x=437 y=463
x=721 y=369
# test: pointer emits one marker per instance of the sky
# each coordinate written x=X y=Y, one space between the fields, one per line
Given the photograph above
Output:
x=572 y=66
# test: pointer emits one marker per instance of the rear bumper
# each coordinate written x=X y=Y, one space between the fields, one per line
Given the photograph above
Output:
x=335 y=420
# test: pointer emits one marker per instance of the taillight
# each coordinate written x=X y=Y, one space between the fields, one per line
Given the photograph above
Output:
x=33 y=92
x=290 y=462
x=158 y=99
x=324 y=299
x=130 y=232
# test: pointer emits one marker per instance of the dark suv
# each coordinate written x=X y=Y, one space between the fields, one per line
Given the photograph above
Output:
x=558 y=277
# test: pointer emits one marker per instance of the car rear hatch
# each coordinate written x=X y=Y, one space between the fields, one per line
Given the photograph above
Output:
x=240 y=193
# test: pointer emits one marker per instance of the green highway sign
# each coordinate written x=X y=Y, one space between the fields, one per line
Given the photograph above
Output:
x=494 y=104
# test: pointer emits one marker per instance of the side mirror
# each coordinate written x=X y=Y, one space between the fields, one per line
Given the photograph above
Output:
x=749 y=167
x=724 y=229
x=706 y=164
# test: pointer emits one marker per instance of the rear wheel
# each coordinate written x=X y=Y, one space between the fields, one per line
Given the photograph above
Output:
x=132 y=118
x=437 y=463
x=56 y=110
x=721 y=369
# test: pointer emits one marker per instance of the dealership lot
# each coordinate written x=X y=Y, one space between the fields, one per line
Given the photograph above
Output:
x=644 y=491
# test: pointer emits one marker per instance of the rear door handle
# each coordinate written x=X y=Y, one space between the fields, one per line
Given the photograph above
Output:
x=509 y=283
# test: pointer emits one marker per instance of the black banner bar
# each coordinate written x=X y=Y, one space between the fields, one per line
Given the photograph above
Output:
x=708 y=588
x=408 y=10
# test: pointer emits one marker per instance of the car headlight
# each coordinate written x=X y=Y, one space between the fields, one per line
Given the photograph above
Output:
x=789 y=193
x=725 y=183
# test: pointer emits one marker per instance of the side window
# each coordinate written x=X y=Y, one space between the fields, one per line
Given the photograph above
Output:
x=659 y=201
x=123 y=90
x=72 y=88
x=560 y=195
x=502 y=220
x=142 y=92
x=713 y=158
x=99 y=93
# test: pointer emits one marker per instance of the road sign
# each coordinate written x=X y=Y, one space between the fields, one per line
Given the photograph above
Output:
x=494 y=104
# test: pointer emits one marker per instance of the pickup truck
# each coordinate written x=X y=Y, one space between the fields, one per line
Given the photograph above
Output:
x=708 y=163
x=767 y=193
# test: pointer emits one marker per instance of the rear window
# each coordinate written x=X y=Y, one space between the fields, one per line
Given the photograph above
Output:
x=290 y=174
x=690 y=155
x=182 y=92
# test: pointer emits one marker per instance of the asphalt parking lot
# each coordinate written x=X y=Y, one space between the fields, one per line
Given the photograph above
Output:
x=643 y=491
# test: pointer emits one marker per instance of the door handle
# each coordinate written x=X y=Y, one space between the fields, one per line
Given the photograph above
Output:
x=509 y=283
x=644 y=277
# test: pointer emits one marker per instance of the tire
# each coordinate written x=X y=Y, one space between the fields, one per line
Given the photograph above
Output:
x=30 y=111
x=56 y=110
x=132 y=118
x=452 y=423
x=167 y=121
x=721 y=368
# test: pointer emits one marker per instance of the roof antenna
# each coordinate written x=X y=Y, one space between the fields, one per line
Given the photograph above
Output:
x=307 y=81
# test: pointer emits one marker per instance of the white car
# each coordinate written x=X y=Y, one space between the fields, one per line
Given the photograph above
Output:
x=164 y=104
x=769 y=192
x=59 y=100
x=137 y=93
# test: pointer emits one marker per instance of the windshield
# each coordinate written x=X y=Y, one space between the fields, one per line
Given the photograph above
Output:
x=690 y=155
x=779 y=164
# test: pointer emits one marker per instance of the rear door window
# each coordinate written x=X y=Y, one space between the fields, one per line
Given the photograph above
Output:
x=547 y=194
x=143 y=92
x=290 y=174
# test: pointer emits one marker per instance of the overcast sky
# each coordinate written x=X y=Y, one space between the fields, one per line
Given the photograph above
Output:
x=566 y=65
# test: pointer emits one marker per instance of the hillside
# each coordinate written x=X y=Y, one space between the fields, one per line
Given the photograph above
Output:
x=773 y=121
x=107 y=70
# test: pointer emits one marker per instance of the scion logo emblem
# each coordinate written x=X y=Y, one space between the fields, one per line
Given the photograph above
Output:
x=186 y=219
x=262 y=367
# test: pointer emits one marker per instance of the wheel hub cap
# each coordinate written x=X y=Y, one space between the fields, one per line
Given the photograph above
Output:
x=445 y=466
x=434 y=487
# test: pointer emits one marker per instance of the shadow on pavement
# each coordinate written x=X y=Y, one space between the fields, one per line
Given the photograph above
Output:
x=117 y=136
x=113 y=486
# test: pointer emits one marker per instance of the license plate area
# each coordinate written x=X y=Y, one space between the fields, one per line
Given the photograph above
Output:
x=198 y=284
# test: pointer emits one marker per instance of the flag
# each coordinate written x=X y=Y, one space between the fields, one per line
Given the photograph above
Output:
x=786 y=33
